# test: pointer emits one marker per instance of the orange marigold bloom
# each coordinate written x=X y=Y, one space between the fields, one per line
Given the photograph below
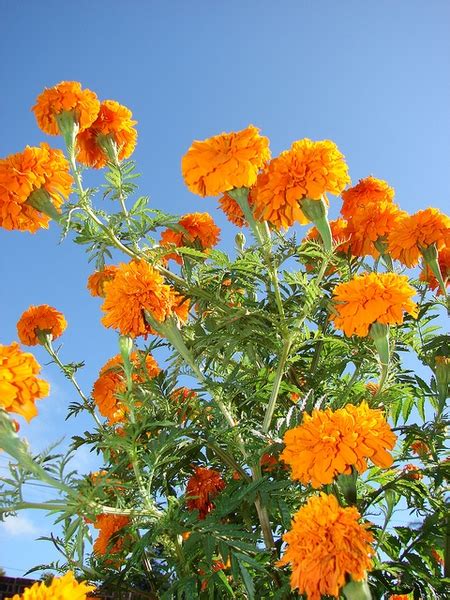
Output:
x=412 y=472
x=108 y=540
x=308 y=170
x=136 y=287
x=183 y=397
x=19 y=386
x=372 y=298
x=226 y=161
x=201 y=488
x=329 y=443
x=232 y=209
x=67 y=96
x=414 y=232
x=113 y=121
x=326 y=543
x=43 y=318
x=200 y=232
x=420 y=448
x=369 y=223
x=97 y=280
x=444 y=264
x=25 y=174
x=339 y=232
x=111 y=382
x=367 y=191
x=65 y=587
x=399 y=597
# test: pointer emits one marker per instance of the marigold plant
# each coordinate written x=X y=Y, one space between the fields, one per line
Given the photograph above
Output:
x=274 y=441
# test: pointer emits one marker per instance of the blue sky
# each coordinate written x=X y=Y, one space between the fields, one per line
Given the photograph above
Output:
x=372 y=76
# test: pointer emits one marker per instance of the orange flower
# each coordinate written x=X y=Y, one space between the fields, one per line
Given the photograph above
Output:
x=97 y=280
x=372 y=298
x=24 y=176
x=308 y=170
x=110 y=384
x=200 y=232
x=339 y=233
x=42 y=318
x=67 y=96
x=329 y=443
x=108 y=541
x=184 y=398
x=437 y=557
x=232 y=209
x=114 y=122
x=19 y=386
x=326 y=543
x=415 y=232
x=420 y=448
x=370 y=223
x=201 y=488
x=226 y=161
x=65 y=587
x=412 y=472
x=367 y=191
x=444 y=264
x=372 y=387
x=399 y=597
x=136 y=287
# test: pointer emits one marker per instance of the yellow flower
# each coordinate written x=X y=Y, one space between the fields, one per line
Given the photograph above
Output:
x=325 y=545
x=61 y=588
x=329 y=443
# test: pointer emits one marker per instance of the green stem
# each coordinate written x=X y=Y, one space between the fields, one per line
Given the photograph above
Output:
x=276 y=384
x=49 y=348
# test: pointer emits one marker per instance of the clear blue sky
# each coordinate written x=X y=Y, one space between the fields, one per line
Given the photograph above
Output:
x=373 y=76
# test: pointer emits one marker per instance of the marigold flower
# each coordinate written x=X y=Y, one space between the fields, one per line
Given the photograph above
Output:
x=108 y=540
x=43 y=318
x=65 y=587
x=136 y=287
x=19 y=386
x=226 y=161
x=427 y=275
x=111 y=383
x=412 y=472
x=437 y=557
x=232 y=209
x=369 y=190
x=413 y=233
x=326 y=543
x=201 y=233
x=339 y=233
x=183 y=398
x=372 y=298
x=97 y=280
x=114 y=122
x=329 y=443
x=399 y=597
x=308 y=170
x=23 y=175
x=370 y=223
x=67 y=96
x=420 y=448
x=201 y=488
